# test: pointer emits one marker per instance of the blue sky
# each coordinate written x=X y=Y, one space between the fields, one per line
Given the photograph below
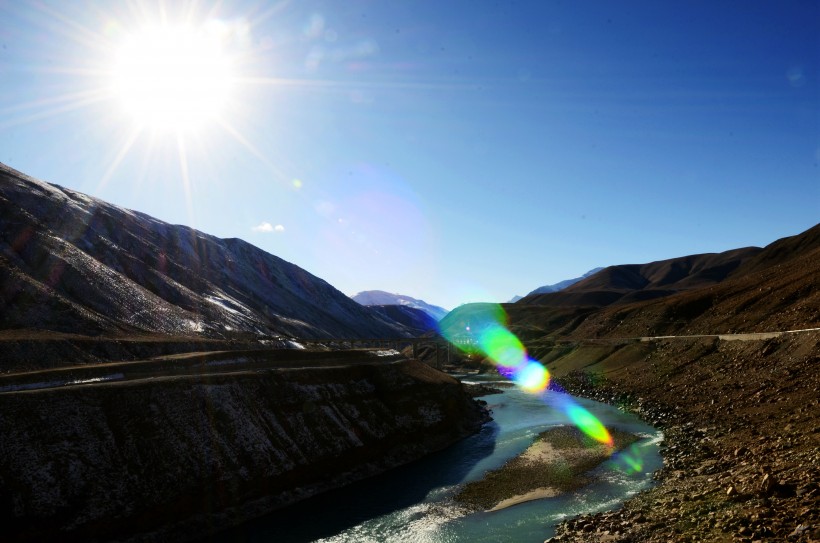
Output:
x=452 y=151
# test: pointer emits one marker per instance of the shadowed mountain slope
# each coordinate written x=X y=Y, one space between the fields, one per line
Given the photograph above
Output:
x=72 y=263
x=380 y=297
x=418 y=321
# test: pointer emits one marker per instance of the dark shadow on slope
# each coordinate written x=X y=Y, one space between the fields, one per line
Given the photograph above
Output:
x=335 y=511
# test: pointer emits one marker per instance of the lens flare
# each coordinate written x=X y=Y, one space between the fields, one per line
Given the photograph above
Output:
x=588 y=423
x=533 y=377
x=503 y=347
x=483 y=328
x=630 y=460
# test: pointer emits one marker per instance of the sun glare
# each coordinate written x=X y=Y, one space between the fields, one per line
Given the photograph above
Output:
x=170 y=77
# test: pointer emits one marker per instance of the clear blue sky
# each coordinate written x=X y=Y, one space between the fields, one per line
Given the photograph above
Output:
x=452 y=151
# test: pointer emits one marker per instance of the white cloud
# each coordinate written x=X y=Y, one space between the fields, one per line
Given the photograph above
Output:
x=264 y=227
x=268 y=227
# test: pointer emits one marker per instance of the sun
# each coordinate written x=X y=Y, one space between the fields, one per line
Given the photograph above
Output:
x=173 y=77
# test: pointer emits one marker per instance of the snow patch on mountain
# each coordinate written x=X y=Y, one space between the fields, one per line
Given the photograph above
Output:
x=83 y=265
x=380 y=297
x=562 y=284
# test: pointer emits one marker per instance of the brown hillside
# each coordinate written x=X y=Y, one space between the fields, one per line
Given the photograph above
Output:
x=776 y=288
x=739 y=416
x=629 y=283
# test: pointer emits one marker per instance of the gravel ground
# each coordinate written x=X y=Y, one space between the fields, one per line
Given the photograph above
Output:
x=742 y=442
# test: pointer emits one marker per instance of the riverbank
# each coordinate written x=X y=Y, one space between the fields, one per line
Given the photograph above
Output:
x=742 y=439
x=557 y=461
x=177 y=457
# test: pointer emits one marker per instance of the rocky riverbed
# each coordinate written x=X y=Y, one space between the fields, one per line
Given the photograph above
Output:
x=742 y=441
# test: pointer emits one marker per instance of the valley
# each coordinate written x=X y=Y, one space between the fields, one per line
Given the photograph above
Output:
x=159 y=382
x=727 y=370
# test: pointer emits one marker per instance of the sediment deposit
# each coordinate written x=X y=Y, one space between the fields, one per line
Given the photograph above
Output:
x=558 y=461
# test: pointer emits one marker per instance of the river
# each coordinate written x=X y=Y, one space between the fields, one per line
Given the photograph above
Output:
x=412 y=503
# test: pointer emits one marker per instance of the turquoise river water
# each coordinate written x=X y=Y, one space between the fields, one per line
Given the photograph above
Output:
x=413 y=503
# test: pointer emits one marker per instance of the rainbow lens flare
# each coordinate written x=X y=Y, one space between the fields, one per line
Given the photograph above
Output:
x=533 y=377
x=503 y=347
x=630 y=460
x=483 y=328
x=588 y=423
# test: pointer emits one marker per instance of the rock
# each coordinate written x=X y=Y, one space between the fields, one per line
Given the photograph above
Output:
x=768 y=484
x=785 y=490
x=798 y=531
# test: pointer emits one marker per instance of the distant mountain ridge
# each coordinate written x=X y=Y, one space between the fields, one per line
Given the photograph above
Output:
x=627 y=283
x=561 y=285
x=777 y=288
x=773 y=289
x=380 y=297
x=73 y=263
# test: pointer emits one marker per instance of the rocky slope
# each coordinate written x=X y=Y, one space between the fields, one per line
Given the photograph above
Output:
x=178 y=457
x=741 y=421
x=72 y=263
x=740 y=413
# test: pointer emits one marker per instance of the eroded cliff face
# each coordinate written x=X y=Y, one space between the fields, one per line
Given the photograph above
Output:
x=175 y=458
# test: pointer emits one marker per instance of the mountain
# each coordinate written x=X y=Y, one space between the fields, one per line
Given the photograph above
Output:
x=627 y=283
x=380 y=297
x=746 y=290
x=73 y=263
x=414 y=319
x=756 y=395
x=561 y=285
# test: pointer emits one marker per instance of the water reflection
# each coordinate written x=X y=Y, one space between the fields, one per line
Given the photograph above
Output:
x=413 y=503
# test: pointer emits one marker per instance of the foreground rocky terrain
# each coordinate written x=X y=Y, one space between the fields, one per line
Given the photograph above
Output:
x=181 y=454
x=742 y=438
